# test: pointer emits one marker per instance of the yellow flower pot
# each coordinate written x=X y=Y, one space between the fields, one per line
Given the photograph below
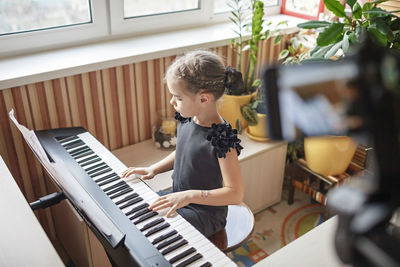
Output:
x=329 y=155
x=259 y=132
x=229 y=108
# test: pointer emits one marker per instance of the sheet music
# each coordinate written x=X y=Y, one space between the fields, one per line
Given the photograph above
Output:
x=71 y=187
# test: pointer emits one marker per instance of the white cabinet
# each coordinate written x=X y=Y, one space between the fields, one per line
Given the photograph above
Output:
x=262 y=165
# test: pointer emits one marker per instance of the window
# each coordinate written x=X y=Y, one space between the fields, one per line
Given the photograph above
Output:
x=137 y=8
x=33 y=25
x=221 y=6
x=19 y=16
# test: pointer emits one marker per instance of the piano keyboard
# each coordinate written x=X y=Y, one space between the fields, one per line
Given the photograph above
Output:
x=175 y=238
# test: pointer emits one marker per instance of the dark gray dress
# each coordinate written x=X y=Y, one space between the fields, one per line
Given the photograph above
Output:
x=196 y=167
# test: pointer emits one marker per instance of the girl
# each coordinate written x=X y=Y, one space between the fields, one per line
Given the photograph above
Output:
x=206 y=176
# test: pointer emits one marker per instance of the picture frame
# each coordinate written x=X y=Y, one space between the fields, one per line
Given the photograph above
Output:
x=309 y=9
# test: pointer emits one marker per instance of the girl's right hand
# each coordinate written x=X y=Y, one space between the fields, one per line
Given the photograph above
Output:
x=147 y=173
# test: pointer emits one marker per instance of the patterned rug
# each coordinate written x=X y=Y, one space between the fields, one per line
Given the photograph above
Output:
x=277 y=226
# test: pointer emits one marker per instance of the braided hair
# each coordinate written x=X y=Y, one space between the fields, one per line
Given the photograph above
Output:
x=203 y=71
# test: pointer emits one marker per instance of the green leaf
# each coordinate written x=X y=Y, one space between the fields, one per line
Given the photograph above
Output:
x=330 y=34
x=313 y=24
x=357 y=11
x=380 y=25
x=266 y=34
x=376 y=2
x=277 y=39
x=345 y=43
x=309 y=60
x=367 y=6
x=292 y=50
x=336 y=7
x=284 y=53
x=377 y=36
x=376 y=11
x=333 y=50
x=320 y=53
x=351 y=2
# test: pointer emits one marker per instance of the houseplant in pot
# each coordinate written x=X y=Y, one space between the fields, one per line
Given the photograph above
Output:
x=234 y=98
x=249 y=108
x=256 y=117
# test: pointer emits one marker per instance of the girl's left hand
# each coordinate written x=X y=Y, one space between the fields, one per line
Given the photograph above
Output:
x=175 y=201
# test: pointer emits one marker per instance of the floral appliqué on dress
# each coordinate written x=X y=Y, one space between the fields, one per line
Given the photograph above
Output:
x=223 y=138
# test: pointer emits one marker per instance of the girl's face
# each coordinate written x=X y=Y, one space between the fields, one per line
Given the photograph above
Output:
x=183 y=101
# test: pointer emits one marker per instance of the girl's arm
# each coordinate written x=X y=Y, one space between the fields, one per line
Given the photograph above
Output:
x=163 y=165
x=166 y=164
x=231 y=193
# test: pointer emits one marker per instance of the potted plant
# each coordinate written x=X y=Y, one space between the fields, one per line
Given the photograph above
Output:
x=250 y=110
x=235 y=98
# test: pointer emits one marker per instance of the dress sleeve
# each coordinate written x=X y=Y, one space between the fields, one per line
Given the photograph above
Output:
x=223 y=138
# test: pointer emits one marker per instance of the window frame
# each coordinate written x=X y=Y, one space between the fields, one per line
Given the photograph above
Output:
x=55 y=37
x=109 y=23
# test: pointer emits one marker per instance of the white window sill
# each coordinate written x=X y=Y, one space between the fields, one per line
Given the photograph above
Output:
x=21 y=70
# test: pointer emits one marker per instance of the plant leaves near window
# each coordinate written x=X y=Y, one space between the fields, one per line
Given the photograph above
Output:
x=313 y=24
x=330 y=34
x=351 y=2
x=336 y=7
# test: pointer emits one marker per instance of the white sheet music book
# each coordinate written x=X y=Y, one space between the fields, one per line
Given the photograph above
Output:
x=71 y=187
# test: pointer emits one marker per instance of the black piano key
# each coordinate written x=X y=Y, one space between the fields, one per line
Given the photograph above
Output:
x=78 y=151
x=169 y=242
x=123 y=192
x=190 y=260
x=101 y=172
x=65 y=139
x=91 y=161
x=140 y=213
x=115 y=178
x=131 y=202
x=156 y=229
x=84 y=161
x=145 y=217
x=128 y=197
x=100 y=164
x=173 y=247
x=182 y=255
x=105 y=177
x=114 y=186
x=137 y=208
x=164 y=236
x=98 y=169
x=206 y=264
x=74 y=144
x=116 y=190
x=90 y=152
x=151 y=224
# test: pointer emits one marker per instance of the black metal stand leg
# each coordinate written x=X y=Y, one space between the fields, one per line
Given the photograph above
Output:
x=291 y=190
x=47 y=201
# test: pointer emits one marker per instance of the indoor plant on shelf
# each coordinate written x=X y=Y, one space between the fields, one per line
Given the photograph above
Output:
x=250 y=110
x=236 y=97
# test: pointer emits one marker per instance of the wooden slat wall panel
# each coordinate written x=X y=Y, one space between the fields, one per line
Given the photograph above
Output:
x=117 y=105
